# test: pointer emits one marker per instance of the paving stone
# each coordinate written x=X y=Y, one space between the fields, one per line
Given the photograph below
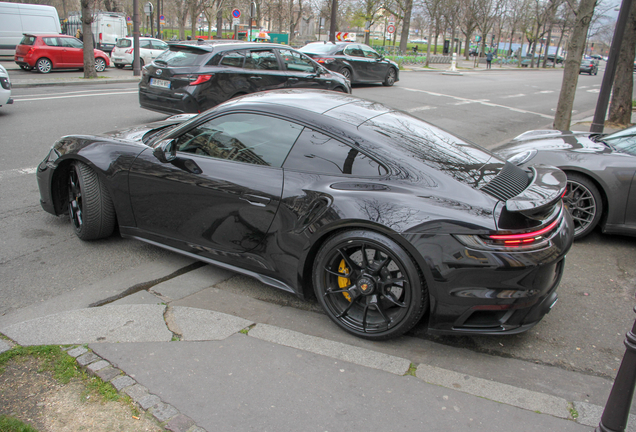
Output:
x=4 y=346
x=148 y=401
x=196 y=428
x=76 y=352
x=122 y=382
x=108 y=373
x=94 y=367
x=180 y=423
x=164 y=412
x=88 y=358
x=136 y=392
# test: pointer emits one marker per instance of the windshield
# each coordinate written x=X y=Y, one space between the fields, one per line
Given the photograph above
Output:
x=124 y=43
x=624 y=140
x=318 y=48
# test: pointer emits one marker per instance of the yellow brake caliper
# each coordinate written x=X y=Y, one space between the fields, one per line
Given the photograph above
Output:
x=344 y=282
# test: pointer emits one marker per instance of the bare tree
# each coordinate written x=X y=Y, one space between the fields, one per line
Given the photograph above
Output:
x=87 y=37
x=583 y=16
x=468 y=22
x=621 y=103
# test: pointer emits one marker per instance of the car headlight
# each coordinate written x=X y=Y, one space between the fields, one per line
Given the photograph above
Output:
x=523 y=157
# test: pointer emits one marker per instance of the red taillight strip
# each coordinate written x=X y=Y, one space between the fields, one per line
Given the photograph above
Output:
x=201 y=79
x=529 y=236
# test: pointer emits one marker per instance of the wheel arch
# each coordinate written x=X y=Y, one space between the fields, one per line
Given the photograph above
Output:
x=307 y=259
x=599 y=185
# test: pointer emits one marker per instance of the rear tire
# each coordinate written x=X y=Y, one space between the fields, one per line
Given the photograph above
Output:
x=119 y=66
x=44 y=65
x=584 y=202
x=346 y=73
x=369 y=285
x=90 y=206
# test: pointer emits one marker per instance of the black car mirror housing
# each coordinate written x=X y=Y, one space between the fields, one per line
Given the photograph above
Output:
x=166 y=151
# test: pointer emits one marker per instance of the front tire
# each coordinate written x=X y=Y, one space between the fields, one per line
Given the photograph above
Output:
x=368 y=285
x=44 y=65
x=90 y=206
x=119 y=66
x=100 y=64
x=389 y=80
x=584 y=202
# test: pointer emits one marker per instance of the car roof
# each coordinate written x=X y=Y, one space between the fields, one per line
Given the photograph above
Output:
x=225 y=44
x=48 y=35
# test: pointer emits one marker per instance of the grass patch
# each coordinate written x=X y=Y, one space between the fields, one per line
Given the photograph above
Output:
x=573 y=412
x=53 y=359
x=10 y=424
x=412 y=369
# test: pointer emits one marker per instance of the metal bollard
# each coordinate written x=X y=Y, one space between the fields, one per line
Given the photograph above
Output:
x=616 y=412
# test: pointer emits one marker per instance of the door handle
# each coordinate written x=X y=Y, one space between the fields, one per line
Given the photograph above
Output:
x=259 y=201
x=256 y=77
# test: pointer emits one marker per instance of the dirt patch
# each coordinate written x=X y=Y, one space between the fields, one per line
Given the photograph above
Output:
x=32 y=395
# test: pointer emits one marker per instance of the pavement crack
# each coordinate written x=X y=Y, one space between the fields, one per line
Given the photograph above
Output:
x=147 y=285
x=171 y=323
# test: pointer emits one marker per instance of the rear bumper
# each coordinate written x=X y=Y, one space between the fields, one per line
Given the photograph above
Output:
x=485 y=292
x=156 y=100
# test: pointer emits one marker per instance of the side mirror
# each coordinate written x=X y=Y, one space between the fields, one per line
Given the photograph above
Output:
x=166 y=151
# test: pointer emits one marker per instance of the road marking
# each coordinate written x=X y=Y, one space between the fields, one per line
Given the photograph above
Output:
x=422 y=108
x=29 y=99
x=17 y=172
x=545 y=91
x=583 y=87
x=513 y=96
x=480 y=101
x=466 y=102
x=594 y=91
x=74 y=92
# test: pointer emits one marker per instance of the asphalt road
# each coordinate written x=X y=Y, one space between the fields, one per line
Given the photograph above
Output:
x=41 y=258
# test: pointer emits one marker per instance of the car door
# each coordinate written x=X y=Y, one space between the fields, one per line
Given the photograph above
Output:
x=145 y=51
x=355 y=57
x=263 y=71
x=54 y=51
x=302 y=71
x=73 y=52
x=377 y=67
x=222 y=191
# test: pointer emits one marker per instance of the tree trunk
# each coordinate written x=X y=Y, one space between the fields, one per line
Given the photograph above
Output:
x=87 y=36
x=584 y=14
x=408 y=7
x=547 y=48
x=621 y=102
x=428 y=46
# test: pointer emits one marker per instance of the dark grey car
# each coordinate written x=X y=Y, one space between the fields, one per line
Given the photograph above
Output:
x=601 y=172
x=357 y=62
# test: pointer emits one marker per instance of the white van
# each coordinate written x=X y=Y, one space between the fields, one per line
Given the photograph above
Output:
x=19 y=18
x=107 y=28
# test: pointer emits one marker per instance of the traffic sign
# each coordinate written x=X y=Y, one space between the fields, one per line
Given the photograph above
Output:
x=390 y=29
x=236 y=21
x=236 y=13
x=162 y=20
x=148 y=8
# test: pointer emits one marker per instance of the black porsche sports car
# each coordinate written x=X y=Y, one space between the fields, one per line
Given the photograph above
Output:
x=385 y=218
x=601 y=171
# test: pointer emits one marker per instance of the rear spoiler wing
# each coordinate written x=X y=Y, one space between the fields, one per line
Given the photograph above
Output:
x=547 y=187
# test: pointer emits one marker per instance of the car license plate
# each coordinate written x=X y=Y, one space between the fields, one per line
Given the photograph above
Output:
x=159 y=83
x=20 y=58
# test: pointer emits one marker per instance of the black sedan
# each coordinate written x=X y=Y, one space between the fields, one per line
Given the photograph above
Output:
x=357 y=62
x=601 y=172
x=191 y=77
x=382 y=216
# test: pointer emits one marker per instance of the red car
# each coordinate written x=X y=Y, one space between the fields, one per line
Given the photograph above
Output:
x=56 y=51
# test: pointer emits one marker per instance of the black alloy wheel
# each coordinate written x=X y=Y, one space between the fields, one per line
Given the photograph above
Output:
x=369 y=285
x=90 y=207
x=346 y=73
x=583 y=200
x=390 y=77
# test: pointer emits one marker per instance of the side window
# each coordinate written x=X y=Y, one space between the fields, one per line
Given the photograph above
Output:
x=145 y=44
x=369 y=52
x=265 y=60
x=51 y=41
x=158 y=45
x=233 y=59
x=249 y=138
x=296 y=62
x=354 y=51
x=72 y=43
x=316 y=152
